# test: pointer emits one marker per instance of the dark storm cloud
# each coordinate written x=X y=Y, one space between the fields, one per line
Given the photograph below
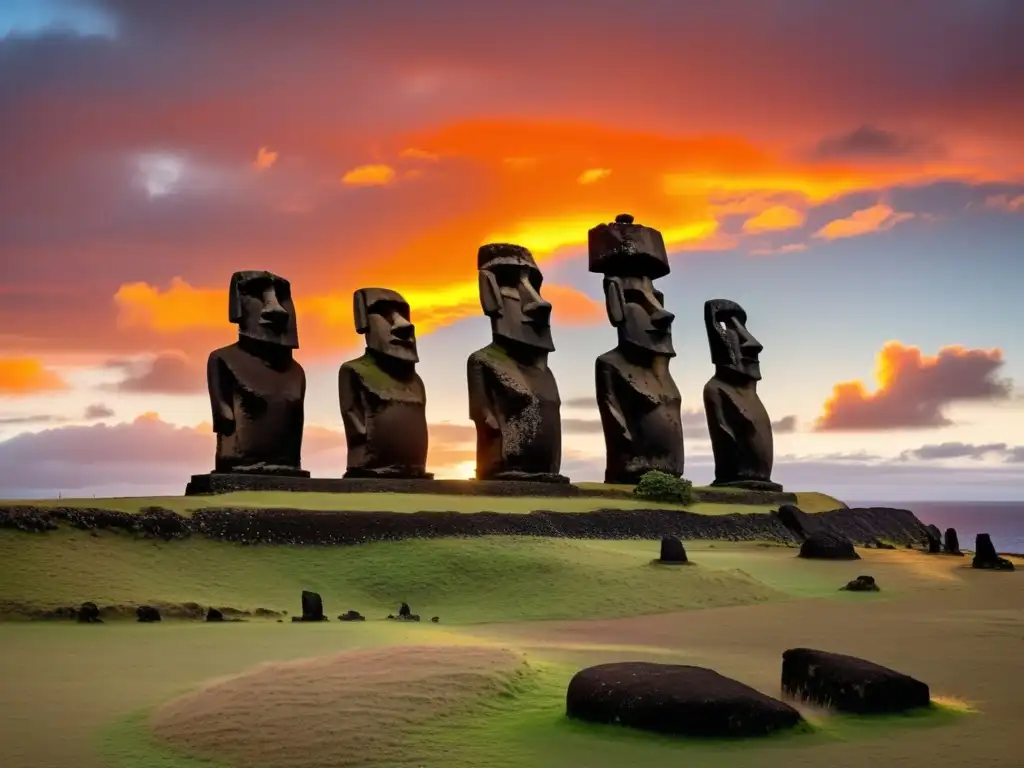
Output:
x=868 y=141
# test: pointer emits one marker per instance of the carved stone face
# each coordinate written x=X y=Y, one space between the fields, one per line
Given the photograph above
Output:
x=510 y=296
x=383 y=315
x=636 y=308
x=732 y=345
x=261 y=304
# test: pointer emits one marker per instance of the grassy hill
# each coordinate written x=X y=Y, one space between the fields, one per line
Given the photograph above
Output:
x=412 y=502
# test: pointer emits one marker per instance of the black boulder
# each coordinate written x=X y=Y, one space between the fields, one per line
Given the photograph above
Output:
x=985 y=556
x=849 y=684
x=674 y=699
x=828 y=546
x=672 y=550
x=147 y=614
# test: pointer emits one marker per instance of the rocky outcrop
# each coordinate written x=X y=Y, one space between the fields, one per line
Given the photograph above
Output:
x=297 y=526
x=985 y=556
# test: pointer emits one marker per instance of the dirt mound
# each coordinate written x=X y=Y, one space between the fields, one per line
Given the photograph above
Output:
x=353 y=708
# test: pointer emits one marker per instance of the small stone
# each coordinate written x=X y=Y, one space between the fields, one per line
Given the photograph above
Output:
x=89 y=613
x=352 y=616
x=213 y=614
x=672 y=550
x=435 y=619
x=147 y=614
x=862 y=584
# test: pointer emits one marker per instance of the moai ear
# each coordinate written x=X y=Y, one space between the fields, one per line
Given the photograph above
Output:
x=614 y=301
x=359 y=313
x=490 y=293
x=235 y=300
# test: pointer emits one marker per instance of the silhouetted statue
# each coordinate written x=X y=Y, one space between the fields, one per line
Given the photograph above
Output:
x=256 y=387
x=383 y=402
x=638 y=401
x=741 y=432
x=513 y=397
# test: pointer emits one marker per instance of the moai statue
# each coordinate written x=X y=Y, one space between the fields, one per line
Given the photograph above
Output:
x=741 y=432
x=256 y=387
x=639 y=403
x=383 y=402
x=513 y=397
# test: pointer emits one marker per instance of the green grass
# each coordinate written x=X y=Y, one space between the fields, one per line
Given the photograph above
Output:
x=486 y=579
x=529 y=729
x=413 y=502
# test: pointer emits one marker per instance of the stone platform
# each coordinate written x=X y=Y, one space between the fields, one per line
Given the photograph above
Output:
x=213 y=483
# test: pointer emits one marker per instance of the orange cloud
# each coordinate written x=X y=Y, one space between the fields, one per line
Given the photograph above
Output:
x=325 y=320
x=913 y=389
x=27 y=376
x=265 y=158
x=775 y=218
x=369 y=176
x=593 y=174
x=411 y=153
x=877 y=218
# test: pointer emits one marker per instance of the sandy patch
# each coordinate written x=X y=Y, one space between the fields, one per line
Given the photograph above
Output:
x=346 y=709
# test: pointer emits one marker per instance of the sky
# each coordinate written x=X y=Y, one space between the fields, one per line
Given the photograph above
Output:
x=850 y=172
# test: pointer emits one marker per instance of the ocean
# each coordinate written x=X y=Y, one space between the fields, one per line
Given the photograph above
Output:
x=1002 y=520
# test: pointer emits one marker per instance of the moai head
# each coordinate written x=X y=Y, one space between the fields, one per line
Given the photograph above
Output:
x=510 y=295
x=260 y=303
x=733 y=347
x=382 y=315
x=632 y=257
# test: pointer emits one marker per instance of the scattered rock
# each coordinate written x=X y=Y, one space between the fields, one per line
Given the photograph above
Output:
x=828 y=546
x=674 y=699
x=849 y=684
x=404 y=611
x=879 y=544
x=951 y=544
x=88 y=613
x=147 y=614
x=985 y=556
x=214 y=615
x=312 y=607
x=435 y=619
x=352 y=616
x=672 y=551
x=862 y=584
x=934 y=539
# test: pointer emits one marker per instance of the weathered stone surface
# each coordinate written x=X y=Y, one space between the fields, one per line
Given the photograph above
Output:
x=796 y=520
x=302 y=526
x=147 y=614
x=828 y=546
x=674 y=699
x=933 y=539
x=312 y=607
x=637 y=398
x=256 y=388
x=513 y=397
x=951 y=543
x=88 y=613
x=227 y=483
x=382 y=398
x=212 y=614
x=862 y=584
x=672 y=550
x=741 y=431
x=849 y=684
x=985 y=556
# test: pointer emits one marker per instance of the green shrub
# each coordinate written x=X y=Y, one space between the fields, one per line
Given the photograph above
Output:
x=660 y=486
